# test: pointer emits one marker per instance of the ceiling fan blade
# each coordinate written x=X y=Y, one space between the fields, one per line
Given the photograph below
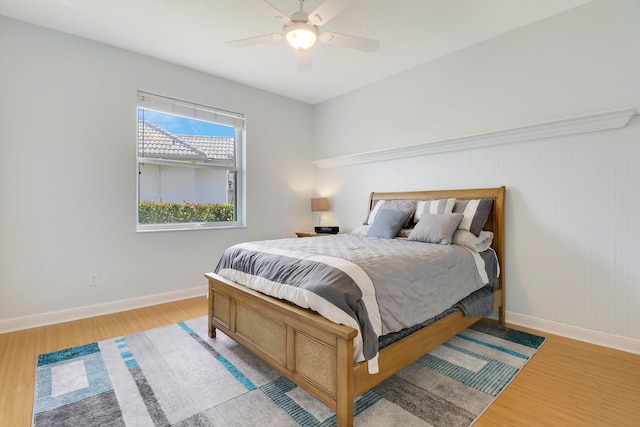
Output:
x=269 y=38
x=351 y=42
x=304 y=61
x=271 y=11
x=328 y=10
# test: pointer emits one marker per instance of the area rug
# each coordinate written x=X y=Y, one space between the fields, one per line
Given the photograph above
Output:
x=176 y=375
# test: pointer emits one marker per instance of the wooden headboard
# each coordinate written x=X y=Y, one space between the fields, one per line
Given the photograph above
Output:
x=495 y=222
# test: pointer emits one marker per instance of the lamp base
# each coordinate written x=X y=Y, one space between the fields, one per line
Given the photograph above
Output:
x=327 y=230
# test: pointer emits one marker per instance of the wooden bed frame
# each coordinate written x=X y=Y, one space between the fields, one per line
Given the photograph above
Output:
x=317 y=354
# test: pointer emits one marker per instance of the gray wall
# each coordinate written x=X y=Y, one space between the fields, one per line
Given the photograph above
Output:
x=572 y=202
x=68 y=173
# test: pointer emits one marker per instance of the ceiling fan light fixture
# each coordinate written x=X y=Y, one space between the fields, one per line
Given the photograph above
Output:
x=301 y=35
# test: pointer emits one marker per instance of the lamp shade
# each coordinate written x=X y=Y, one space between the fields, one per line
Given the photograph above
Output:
x=320 y=204
x=300 y=35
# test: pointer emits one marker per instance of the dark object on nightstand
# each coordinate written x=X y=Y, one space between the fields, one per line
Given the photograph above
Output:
x=327 y=230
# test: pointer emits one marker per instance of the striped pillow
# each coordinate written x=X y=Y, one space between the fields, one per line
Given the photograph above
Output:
x=474 y=214
x=394 y=205
x=436 y=206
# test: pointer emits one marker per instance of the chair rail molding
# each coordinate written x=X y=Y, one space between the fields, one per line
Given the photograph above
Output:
x=569 y=126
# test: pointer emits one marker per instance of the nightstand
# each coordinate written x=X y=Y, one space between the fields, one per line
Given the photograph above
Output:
x=308 y=234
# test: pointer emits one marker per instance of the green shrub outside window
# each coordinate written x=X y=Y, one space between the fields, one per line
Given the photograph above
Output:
x=166 y=213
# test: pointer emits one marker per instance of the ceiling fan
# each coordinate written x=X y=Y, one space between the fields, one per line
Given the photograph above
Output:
x=301 y=30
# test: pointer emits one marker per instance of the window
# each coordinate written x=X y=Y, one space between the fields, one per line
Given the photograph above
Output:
x=189 y=165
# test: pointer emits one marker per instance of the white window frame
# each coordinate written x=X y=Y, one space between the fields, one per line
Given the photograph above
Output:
x=167 y=105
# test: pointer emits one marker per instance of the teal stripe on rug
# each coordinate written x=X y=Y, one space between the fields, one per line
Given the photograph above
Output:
x=491 y=379
x=523 y=338
x=495 y=347
x=246 y=382
x=249 y=385
x=131 y=364
x=361 y=404
x=277 y=391
x=67 y=354
x=186 y=328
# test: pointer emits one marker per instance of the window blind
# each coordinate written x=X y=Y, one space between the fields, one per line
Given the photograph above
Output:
x=190 y=110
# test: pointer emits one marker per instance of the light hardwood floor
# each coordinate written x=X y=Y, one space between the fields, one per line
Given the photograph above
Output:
x=567 y=383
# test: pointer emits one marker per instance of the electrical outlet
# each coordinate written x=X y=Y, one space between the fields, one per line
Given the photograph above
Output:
x=93 y=279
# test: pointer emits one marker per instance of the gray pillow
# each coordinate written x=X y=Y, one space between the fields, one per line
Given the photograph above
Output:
x=394 y=205
x=436 y=228
x=388 y=223
x=476 y=213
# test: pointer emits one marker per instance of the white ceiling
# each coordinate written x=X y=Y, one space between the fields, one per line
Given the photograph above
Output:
x=192 y=33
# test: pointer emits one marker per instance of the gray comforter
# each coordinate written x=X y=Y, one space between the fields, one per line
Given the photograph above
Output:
x=376 y=285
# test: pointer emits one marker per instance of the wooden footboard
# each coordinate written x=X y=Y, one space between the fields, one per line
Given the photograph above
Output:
x=302 y=345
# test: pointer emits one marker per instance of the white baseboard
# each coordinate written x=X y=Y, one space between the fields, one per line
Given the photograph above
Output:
x=617 y=342
x=19 y=323
x=53 y=317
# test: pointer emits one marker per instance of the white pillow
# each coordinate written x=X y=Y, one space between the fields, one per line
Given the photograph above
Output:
x=475 y=243
x=374 y=212
x=361 y=230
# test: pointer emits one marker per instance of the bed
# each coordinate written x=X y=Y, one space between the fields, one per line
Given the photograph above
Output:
x=319 y=355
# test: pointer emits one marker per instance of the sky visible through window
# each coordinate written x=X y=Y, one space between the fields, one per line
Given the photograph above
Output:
x=183 y=126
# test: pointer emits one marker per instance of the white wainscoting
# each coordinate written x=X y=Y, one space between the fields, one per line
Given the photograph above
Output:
x=571 y=219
